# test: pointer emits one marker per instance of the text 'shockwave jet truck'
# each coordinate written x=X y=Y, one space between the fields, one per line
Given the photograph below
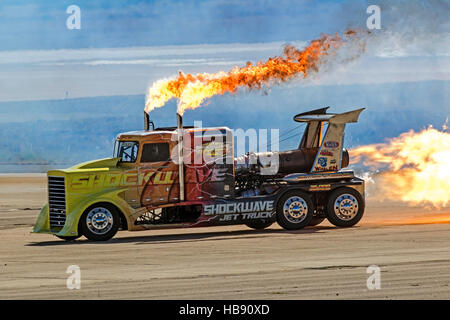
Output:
x=189 y=177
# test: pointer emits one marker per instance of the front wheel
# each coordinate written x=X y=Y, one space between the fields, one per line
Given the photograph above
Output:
x=345 y=207
x=100 y=222
x=294 y=210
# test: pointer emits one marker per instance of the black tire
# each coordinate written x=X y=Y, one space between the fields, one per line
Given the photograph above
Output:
x=68 y=238
x=349 y=216
x=316 y=221
x=294 y=218
x=100 y=222
x=259 y=224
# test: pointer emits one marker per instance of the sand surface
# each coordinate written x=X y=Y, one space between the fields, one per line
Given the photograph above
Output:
x=411 y=245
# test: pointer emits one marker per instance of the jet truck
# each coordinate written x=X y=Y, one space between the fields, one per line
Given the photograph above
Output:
x=184 y=176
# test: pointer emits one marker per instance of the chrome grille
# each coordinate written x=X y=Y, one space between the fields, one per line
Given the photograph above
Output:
x=56 y=201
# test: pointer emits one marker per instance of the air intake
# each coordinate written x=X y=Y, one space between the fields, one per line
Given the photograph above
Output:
x=56 y=201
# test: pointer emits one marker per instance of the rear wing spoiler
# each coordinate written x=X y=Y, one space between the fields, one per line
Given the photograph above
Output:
x=329 y=156
x=321 y=115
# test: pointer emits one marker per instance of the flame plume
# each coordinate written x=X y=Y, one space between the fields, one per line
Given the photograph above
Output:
x=414 y=166
x=192 y=90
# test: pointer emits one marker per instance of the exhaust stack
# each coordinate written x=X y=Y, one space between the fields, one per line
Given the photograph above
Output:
x=180 y=155
x=148 y=122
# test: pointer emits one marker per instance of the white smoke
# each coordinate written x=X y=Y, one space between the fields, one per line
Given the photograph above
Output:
x=412 y=28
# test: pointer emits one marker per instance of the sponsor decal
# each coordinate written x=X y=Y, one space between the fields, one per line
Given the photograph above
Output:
x=330 y=168
x=331 y=144
x=238 y=207
x=324 y=175
x=326 y=153
x=245 y=216
x=320 y=187
x=333 y=161
x=322 y=161
x=88 y=181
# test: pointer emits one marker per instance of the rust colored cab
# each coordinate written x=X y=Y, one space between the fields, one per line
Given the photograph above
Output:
x=151 y=157
x=148 y=156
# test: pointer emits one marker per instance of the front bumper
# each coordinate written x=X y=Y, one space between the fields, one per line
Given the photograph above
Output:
x=42 y=224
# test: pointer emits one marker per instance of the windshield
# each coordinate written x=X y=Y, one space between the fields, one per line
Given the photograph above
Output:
x=127 y=151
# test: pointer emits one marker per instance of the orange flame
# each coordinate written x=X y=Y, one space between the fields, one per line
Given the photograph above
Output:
x=418 y=166
x=192 y=90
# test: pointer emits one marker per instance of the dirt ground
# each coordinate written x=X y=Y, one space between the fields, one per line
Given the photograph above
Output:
x=409 y=244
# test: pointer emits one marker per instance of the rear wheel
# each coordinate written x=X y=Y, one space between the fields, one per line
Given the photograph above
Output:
x=259 y=224
x=345 y=207
x=294 y=210
x=100 y=222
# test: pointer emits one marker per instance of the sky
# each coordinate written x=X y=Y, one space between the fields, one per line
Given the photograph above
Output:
x=51 y=73
x=39 y=24
x=123 y=47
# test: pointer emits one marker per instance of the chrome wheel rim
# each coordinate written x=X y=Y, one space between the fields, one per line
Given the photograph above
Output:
x=346 y=207
x=295 y=209
x=99 y=220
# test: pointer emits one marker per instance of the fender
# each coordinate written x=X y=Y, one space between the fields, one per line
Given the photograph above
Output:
x=282 y=191
x=71 y=226
x=109 y=196
x=42 y=224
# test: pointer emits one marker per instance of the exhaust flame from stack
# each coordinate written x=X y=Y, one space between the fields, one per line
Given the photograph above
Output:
x=192 y=89
x=417 y=166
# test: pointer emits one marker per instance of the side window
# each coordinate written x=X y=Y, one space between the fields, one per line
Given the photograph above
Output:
x=155 y=152
x=127 y=151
